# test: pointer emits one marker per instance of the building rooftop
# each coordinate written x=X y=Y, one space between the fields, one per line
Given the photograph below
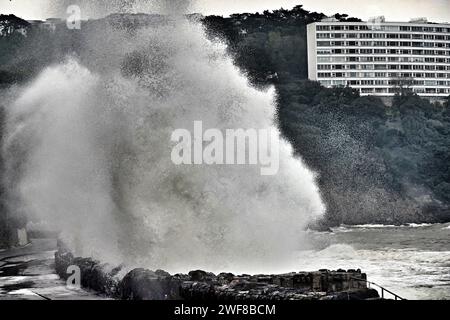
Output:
x=382 y=19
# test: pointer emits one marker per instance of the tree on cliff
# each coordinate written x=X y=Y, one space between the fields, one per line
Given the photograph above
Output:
x=9 y=24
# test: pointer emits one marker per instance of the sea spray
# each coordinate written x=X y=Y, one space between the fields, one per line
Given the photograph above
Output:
x=89 y=152
x=100 y=8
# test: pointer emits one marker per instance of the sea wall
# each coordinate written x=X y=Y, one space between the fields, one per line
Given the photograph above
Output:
x=142 y=284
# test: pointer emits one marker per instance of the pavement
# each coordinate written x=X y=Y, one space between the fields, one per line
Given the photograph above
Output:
x=28 y=273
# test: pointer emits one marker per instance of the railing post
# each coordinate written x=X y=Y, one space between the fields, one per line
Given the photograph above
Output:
x=370 y=284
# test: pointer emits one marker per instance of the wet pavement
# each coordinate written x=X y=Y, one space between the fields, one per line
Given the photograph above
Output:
x=28 y=273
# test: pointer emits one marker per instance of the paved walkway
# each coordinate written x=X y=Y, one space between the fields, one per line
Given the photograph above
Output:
x=28 y=273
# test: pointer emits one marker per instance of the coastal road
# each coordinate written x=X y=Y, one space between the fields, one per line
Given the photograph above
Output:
x=28 y=273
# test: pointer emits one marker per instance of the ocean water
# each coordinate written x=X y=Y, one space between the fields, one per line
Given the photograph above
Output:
x=413 y=261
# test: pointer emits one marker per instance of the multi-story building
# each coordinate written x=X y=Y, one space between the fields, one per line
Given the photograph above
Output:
x=380 y=58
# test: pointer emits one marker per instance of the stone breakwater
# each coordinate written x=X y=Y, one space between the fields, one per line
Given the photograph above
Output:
x=142 y=284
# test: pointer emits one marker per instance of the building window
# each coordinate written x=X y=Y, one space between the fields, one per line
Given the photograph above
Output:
x=392 y=28
x=323 y=52
x=379 y=35
x=392 y=36
x=337 y=35
x=323 y=35
x=323 y=43
x=323 y=28
x=338 y=59
x=323 y=59
x=325 y=83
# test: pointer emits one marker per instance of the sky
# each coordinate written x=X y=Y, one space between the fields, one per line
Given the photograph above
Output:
x=393 y=10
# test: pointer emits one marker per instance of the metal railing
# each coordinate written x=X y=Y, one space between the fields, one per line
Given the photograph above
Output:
x=383 y=290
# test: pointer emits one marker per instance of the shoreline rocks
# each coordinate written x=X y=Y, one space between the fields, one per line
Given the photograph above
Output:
x=198 y=285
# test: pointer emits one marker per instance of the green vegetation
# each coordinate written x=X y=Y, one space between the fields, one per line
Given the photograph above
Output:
x=376 y=163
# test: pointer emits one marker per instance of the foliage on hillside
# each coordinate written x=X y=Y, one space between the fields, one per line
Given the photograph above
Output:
x=376 y=164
